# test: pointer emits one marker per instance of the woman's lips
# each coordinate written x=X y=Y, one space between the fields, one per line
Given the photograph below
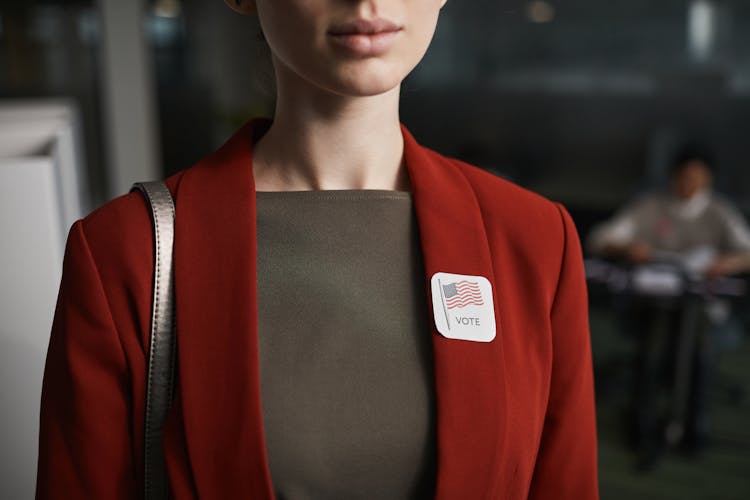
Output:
x=365 y=37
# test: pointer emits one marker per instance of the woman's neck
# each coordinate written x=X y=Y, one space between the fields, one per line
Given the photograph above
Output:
x=322 y=141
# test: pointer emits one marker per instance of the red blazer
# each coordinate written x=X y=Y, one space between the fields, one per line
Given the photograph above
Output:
x=515 y=416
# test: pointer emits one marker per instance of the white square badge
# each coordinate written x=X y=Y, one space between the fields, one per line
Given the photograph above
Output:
x=463 y=307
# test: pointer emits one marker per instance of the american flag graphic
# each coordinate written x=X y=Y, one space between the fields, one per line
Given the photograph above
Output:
x=462 y=293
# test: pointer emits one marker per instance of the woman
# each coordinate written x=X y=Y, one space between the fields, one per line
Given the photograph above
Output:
x=418 y=326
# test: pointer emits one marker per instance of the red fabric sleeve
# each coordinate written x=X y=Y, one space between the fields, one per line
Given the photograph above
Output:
x=566 y=466
x=85 y=448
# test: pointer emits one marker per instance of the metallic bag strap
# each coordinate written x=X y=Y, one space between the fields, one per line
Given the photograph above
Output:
x=163 y=340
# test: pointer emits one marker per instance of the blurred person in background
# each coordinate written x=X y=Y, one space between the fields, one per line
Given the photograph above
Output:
x=355 y=277
x=688 y=221
x=702 y=235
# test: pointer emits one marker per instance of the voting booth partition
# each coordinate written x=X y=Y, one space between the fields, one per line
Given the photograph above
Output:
x=42 y=192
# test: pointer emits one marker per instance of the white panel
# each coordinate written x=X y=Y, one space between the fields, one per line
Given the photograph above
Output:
x=30 y=270
x=49 y=127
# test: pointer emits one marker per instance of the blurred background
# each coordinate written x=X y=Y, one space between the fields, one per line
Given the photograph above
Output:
x=583 y=101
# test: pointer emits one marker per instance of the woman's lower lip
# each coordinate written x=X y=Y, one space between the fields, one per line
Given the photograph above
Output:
x=366 y=44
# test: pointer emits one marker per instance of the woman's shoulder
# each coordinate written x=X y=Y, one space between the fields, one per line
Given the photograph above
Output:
x=119 y=235
x=531 y=237
x=114 y=243
x=125 y=216
x=505 y=205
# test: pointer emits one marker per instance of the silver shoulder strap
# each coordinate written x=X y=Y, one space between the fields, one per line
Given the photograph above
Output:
x=163 y=340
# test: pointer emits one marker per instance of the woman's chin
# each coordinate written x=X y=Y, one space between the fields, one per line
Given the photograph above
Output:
x=365 y=83
x=367 y=89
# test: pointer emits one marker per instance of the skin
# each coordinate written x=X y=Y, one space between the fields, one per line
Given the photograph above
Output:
x=336 y=124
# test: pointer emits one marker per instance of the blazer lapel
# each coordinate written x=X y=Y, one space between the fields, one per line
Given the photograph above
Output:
x=469 y=377
x=215 y=281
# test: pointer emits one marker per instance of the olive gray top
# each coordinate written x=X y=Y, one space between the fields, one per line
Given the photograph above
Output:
x=344 y=346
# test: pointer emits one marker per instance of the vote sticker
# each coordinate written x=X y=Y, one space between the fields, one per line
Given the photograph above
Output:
x=463 y=307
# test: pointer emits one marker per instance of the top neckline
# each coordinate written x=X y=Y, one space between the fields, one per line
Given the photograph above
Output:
x=338 y=194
